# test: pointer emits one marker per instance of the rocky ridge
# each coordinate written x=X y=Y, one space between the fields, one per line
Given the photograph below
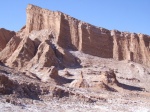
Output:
x=59 y=56
x=71 y=33
x=63 y=32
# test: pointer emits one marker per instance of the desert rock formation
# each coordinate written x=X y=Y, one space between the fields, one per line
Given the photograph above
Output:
x=65 y=32
x=71 y=33
x=5 y=36
x=133 y=47
x=56 y=56
x=49 y=36
x=9 y=49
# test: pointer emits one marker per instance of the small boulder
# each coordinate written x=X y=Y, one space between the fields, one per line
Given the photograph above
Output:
x=49 y=73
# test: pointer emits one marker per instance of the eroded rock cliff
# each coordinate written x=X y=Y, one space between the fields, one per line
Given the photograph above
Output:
x=64 y=33
x=131 y=46
x=71 y=33
x=74 y=34
x=55 y=55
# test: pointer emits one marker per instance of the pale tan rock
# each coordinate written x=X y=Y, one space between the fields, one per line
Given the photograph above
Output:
x=38 y=18
x=108 y=78
x=49 y=73
x=66 y=73
x=44 y=57
x=9 y=49
x=40 y=36
x=23 y=54
x=133 y=47
x=79 y=83
x=45 y=74
x=105 y=81
x=70 y=33
x=48 y=36
x=66 y=58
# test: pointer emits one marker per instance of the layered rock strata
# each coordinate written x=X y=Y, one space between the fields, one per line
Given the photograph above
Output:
x=74 y=34
x=48 y=35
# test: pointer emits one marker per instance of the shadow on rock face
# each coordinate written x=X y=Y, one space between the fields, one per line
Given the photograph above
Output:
x=105 y=81
x=67 y=59
x=62 y=80
x=6 y=86
x=28 y=91
x=129 y=87
x=22 y=90
x=58 y=92
x=1 y=63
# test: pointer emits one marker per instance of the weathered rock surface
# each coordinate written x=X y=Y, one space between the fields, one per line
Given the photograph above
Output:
x=32 y=63
x=131 y=46
x=5 y=36
x=6 y=86
x=51 y=41
x=65 y=58
x=64 y=32
x=105 y=80
x=79 y=83
x=108 y=78
x=45 y=57
x=48 y=73
x=9 y=49
x=23 y=54
x=10 y=86
x=71 y=33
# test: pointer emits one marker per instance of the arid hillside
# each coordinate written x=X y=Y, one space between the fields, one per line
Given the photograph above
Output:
x=59 y=63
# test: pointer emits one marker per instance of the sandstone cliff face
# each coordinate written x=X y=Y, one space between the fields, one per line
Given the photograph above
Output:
x=134 y=47
x=67 y=33
x=38 y=18
x=70 y=33
x=5 y=36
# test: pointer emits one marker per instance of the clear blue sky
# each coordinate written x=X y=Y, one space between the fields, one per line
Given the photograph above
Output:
x=123 y=15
